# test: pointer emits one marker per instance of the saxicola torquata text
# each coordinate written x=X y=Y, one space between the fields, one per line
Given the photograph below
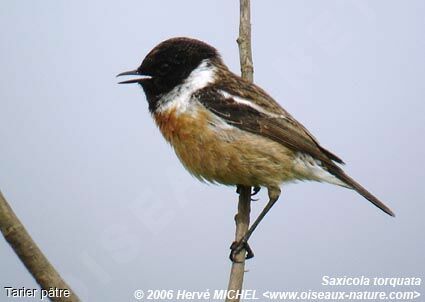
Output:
x=227 y=130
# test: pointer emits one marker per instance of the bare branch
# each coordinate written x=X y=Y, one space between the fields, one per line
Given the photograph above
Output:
x=244 y=205
x=242 y=224
x=244 y=41
x=30 y=254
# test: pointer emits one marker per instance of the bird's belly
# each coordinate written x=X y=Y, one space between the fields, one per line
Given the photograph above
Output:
x=223 y=153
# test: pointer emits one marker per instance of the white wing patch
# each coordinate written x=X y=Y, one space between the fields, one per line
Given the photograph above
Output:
x=249 y=103
x=309 y=168
x=180 y=96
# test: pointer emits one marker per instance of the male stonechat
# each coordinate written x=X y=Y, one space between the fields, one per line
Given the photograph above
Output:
x=227 y=130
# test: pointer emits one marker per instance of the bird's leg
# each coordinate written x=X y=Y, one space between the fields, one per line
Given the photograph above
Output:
x=236 y=247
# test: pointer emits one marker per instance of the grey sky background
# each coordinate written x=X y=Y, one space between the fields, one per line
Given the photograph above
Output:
x=105 y=197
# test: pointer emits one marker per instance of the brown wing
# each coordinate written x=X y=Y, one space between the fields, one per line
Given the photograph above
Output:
x=264 y=118
x=239 y=87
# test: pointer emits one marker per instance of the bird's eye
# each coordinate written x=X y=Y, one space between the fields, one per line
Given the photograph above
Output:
x=164 y=68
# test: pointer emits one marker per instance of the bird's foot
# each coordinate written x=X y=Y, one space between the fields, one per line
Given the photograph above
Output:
x=255 y=191
x=238 y=189
x=237 y=247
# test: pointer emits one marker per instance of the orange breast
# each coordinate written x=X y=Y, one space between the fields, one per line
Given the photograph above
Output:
x=188 y=133
x=178 y=127
x=228 y=155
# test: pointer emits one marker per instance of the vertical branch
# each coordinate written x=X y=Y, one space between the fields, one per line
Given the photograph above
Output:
x=30 y=254
x=242 y=224
x=244 y=41
x=244 y=205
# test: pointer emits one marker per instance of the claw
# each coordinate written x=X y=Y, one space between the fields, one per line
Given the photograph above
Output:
x=237 y=247
x=255 y=190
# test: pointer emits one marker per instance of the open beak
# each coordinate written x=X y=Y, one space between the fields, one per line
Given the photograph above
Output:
x=135 y=73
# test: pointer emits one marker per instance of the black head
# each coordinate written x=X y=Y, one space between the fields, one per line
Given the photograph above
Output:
x=168 y=65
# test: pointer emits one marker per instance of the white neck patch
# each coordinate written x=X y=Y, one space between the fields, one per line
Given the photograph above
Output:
x=178 y=98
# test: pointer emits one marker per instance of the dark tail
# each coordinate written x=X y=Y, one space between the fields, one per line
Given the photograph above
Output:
x=335 y=170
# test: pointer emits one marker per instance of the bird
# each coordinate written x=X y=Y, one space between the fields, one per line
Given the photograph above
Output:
x=227 y=130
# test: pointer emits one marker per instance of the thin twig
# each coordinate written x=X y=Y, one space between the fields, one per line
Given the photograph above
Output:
x=244 y=205
x=242 y=224
x=244 y=41
x=31 y=255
